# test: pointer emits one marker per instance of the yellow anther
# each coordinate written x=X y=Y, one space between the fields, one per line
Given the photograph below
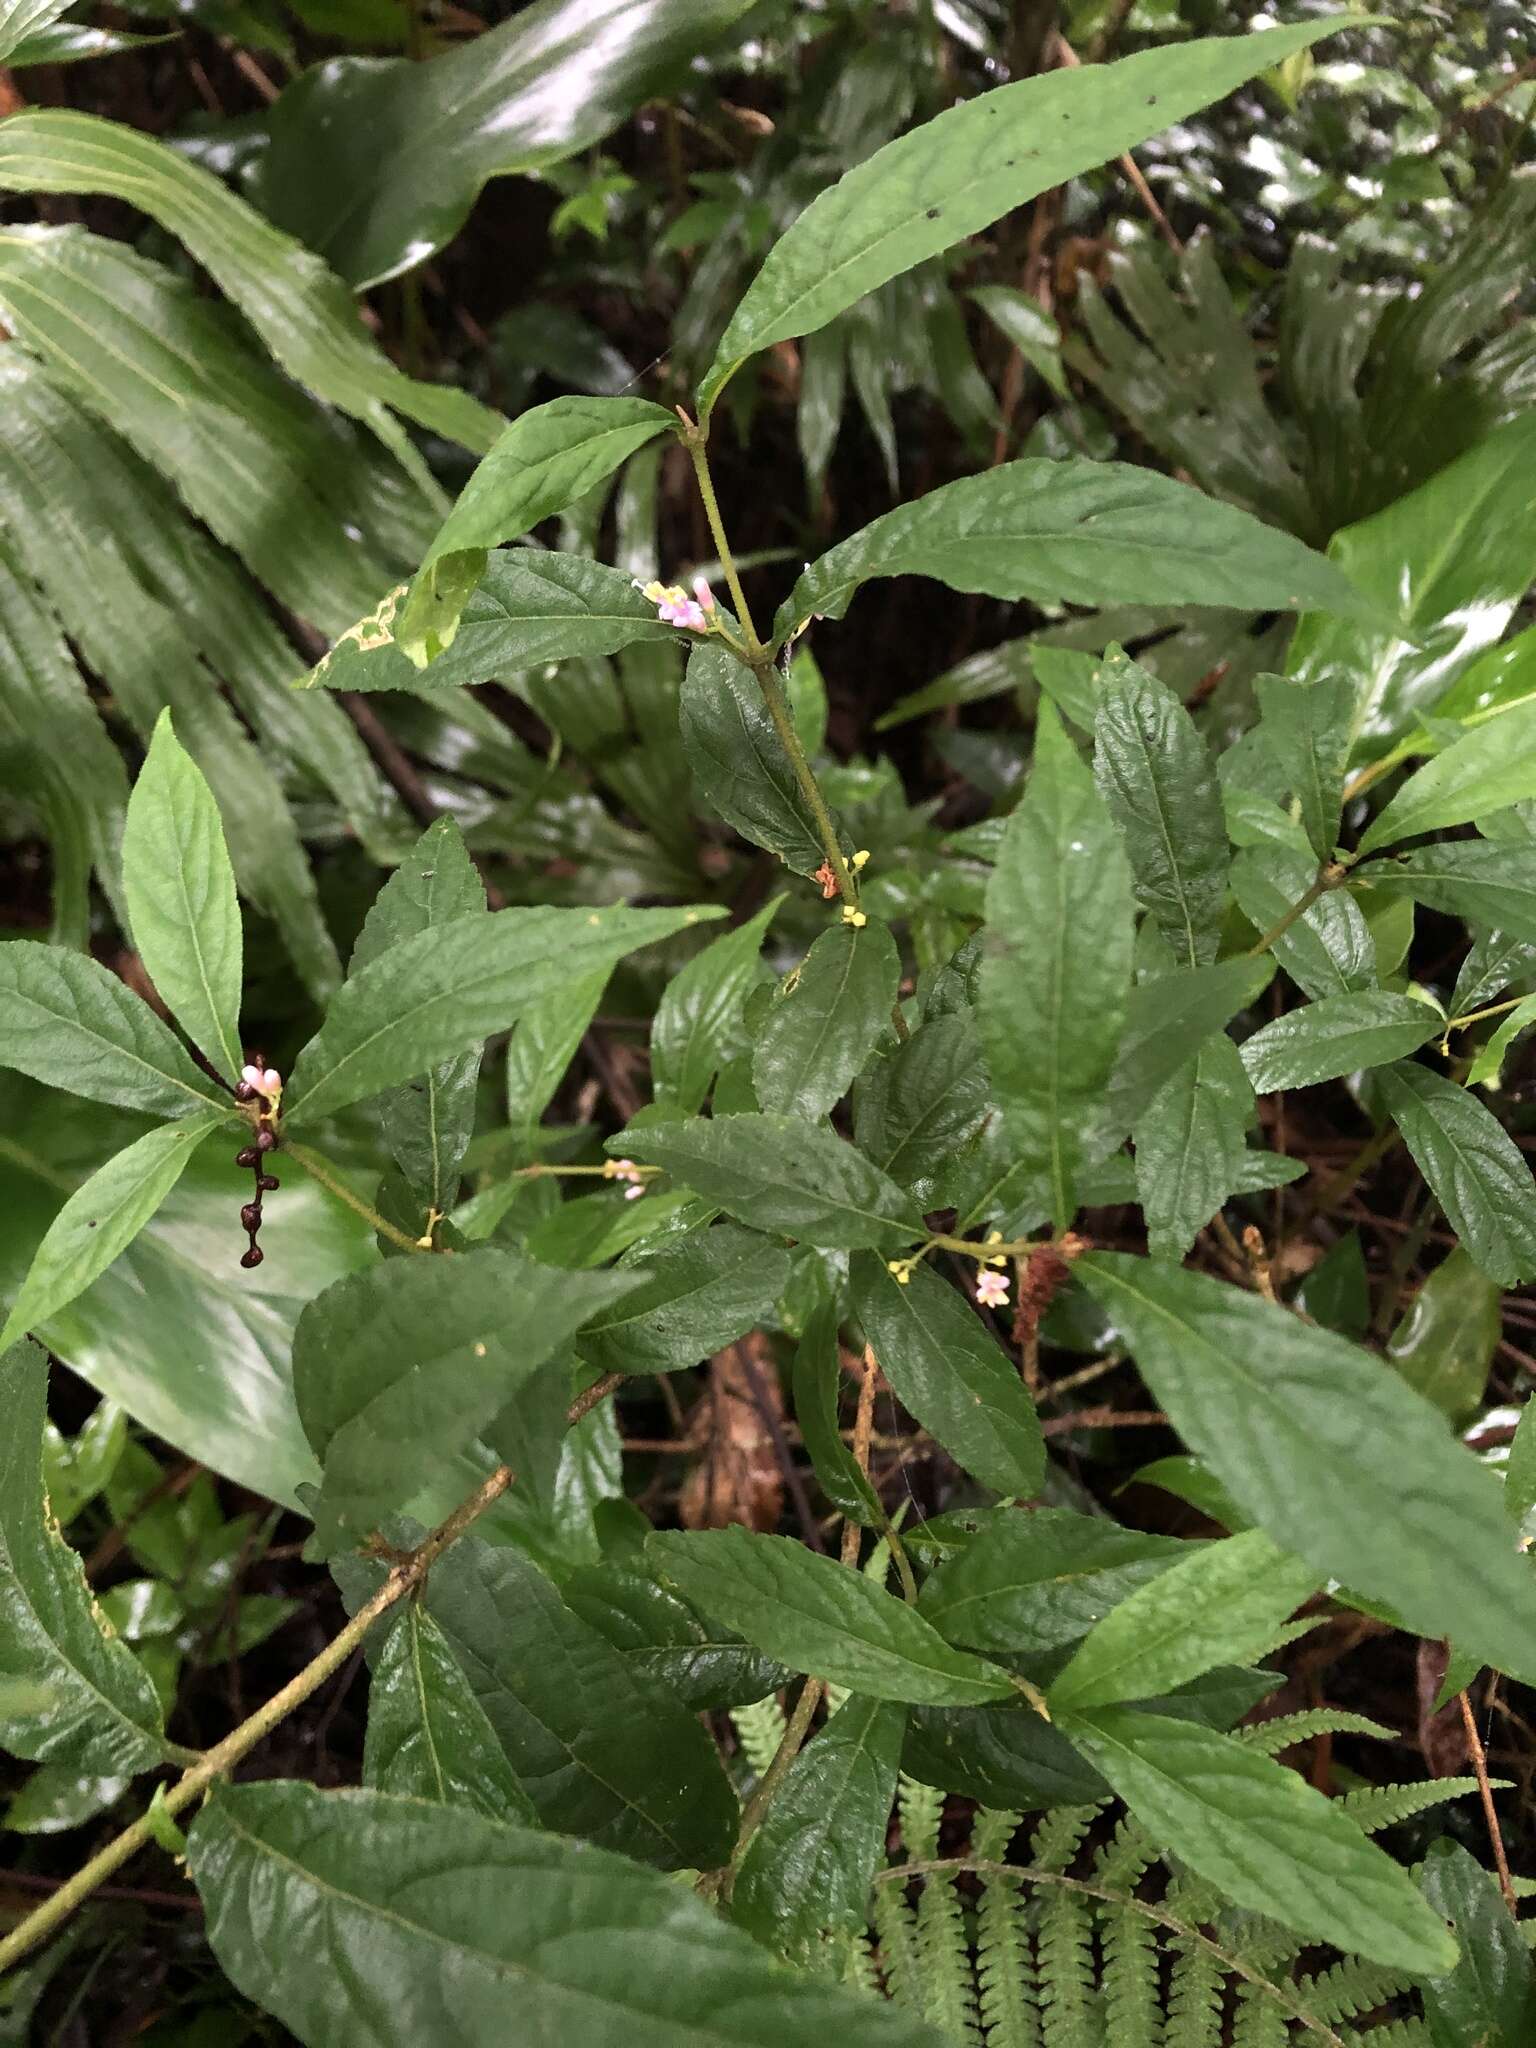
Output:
x=900 y=1271
x=854 y=917
x=859 y=859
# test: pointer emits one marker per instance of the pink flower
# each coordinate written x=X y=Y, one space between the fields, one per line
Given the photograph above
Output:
x=265 y=1080
x=992 y=1289
x=703 y=593
x=674 y=607
x=633 y=1194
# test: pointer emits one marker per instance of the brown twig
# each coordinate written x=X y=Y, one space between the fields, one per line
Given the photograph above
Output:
x=1485 y=1790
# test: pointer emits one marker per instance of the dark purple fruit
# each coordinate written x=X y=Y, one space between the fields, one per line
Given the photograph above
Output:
x=248 y=1157
x=244 y=1092
x=250 y=1216
x=253 y=1257
x=266 y=1140
x=267 y=1182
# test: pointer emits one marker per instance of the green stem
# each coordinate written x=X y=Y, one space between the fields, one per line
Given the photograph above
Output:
x=788 y=1749
x=1328 y=877
x=1479 y=1016
x=1359 y=783
x=321 y=1170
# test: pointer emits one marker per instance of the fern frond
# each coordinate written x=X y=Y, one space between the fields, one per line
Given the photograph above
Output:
x=1059 y=1835
x=1259 y=2022
x=1395 y=2034
x=991 y=1832
x=1125 y=1858
x=1132 y=1991
x=944 y=1956
x=1286 y=1729
x=1005 y=1970
x=919 y=1809
x=858 y=1964
x=1349 y=1989
x=759 y=1730
x=1194 y=1998
x=1066 y=1971
x=1381 y=1806
x=896 y=1931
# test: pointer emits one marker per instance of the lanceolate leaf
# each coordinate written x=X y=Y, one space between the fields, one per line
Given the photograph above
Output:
x=1336 y=1036
x=451 y=987
x=955 y=175
x=780 y=1173
x=1078 y=532
x=823 y=1023
x=1155 y=773
x=1221 y=1605
x=180 y=889
x=945 y=1367
x=1326 y=951
x=398 y=1368
x=1191 y=1146
x=1494 y=765
x=739 y=762
x=915 y=1113
x=65 y=1020
x=1167 y=1017
x=1262 y=1836
x=699 y=1014
x=811 y=1861
x=687 y=1300
x=1489 y=1064
x=98 y=1712
x=102 y=1218
x=1445 y=1341
x=20 y=19
x=1053 y=994
x=1490 y=1996
x=1335 y=1458
x=1309 y=724
x=660 y=1635
x=1478 y=1173
x=817 y=1381
x=1476 y=879
x=816 y=1616
x=449 y=1909
x=428 y=1737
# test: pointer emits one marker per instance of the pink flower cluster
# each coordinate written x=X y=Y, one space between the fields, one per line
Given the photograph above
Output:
x=674 y=607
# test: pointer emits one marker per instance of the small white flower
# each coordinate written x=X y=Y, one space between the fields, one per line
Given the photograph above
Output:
x=992 y=1289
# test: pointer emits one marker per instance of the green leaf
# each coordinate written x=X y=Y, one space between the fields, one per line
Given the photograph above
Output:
x=398 y=1368
x=1477 y=1172
x=66 y=1021
x=659 y=1635
x=738 y=760
x=450 y=1909
x=1453 y=559
x=1444 y=1343
x=780 y=1173
x=1476 y=879
x=300 y=308
x=451 y=987
x=1284 y=1416
x=1037 y=1580
x=1308 y=725
x=602 y=1750
x=101 y=1219
x=1493 y=765
x=428 y=1121
x=1488 y=1066
x=1053 y=995
x=530 y=606
x=1520 y=1473
x=957 y=174
x=1328 y=950
x=550 y=456
x=1077 y=532
x=816 y=1616
x=1155 y=774
x=1262 y=1836
x=918 y=1110
x=810 y=1864
x=697 y=1021
x=376 y=162
x=97 y=1711
x=944 y=1365
x=1222 y=1605
x=22 y=18
x=1166 y=1018
x=1191 y=1146
x=817 y=1382
x=687 y=1301
x=180 y=890
x=428 y=1737
x=1490 y=1996
x=825 y=1019
x=1324 y=1040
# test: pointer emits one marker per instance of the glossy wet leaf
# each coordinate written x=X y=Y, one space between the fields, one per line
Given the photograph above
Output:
x=817 y=1382
x=1036 y=1580
x=810 y=1864
x=1224 y=1604
x=1329 y=949
x=660 y=1635
x=1476 y=879
x=698 y=1019
x=67 y=1021
x=1053 y=994
x=1309 y=724
x=738 y=761
x=1191 y=1146
x=452 y=986
x=398 y=1368
x=780 y=1173
x=101 y=1219
x=1336 y=1459
x=1490 y=1996
x=1263 y=1836
x=449 y=1908
x=1078 y=532
x=1445 y=1339
x=816 y=1616
x=917 y=1111
x=96 y=1711
x=1487 y=1068
x=1322 y=1041
x=180 y=890
x=945 y=1366
x=1477 y=1172
x=823 y=1023
x=687 y=1300
x=954 y=175
x=1493 y=765
x=428 y=1737
x=1155 y=774
x=1166 y=1018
